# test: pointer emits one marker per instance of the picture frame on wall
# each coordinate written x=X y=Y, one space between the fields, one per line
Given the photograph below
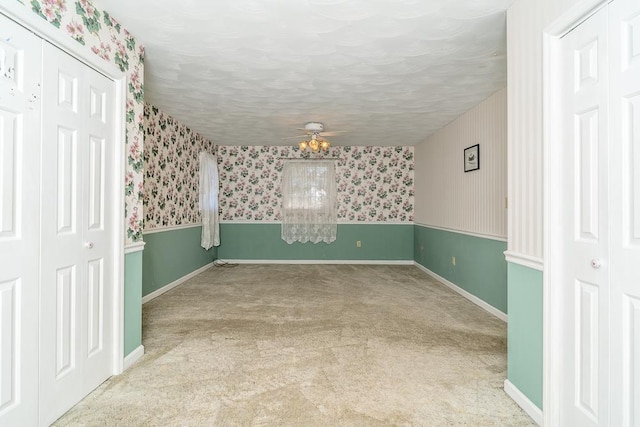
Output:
x=472 y=158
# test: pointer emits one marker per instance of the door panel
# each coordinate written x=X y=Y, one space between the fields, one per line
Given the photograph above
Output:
x=630 y=355
x=98 y=105
x=67 y=91
x=587 y=349
x=586 y=283
x=587 y=188
x=77 y=237
x=20 y=65
x=98 y=226
x=9 y=351
x=62 y=273
x=624 y=26
x=586 y=65
x=10 y=129
x=95 y=306
x=629 y=35
x=631 y=126
x=65 y=321
x=67 y=170
x=96 y=183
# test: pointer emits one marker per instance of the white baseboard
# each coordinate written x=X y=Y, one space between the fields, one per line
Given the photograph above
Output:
x=474 y=299
x=524 y=402
x=162 y=290
x=133 y=357
x=317 y=261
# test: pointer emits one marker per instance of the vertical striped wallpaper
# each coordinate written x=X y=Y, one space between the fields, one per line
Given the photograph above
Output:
x=526 y=21
x=446 y=196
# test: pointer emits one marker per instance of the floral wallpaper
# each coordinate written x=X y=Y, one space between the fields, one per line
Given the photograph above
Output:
x=171 y=170
x=96 y=29
x=374 y=183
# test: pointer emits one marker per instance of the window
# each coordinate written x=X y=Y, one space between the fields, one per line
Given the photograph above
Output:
x=309 y=202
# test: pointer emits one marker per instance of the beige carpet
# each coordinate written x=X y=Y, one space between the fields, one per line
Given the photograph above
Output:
x=311 y=345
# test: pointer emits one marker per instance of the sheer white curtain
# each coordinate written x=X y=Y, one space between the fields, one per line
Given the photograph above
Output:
x=309 y=201
x=209 y=200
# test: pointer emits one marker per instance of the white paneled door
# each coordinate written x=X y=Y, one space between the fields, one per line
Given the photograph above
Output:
x=624 y=36
x=58 y=217
x=601 y=225
x=77 y=248
x=20 y=65
x=586 y=237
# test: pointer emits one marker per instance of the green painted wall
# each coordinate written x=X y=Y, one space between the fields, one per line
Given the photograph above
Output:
x=524 y=331
x=480 y=265
x=170 y=255
x=262 y=241
x=132 y=301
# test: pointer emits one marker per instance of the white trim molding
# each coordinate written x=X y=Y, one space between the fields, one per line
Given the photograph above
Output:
x=317 y=261
x=524 y=260
x=168 y=287
x=474 y=299
x=133 y=357
x=523 y=401
x=171 y=227
x=573 y=17
x=466 y=233
x=374 y=223
x=134 y=247
x=245 y=221
x=339 y=222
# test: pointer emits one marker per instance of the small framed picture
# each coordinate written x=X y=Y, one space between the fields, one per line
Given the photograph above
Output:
x=472 y=158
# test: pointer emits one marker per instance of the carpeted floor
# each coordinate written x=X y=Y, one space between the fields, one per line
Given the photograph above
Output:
x=311 y=345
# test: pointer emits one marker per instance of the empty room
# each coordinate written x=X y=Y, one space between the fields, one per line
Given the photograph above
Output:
x=320 y=213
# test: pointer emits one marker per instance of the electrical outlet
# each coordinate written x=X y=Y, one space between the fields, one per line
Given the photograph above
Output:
x=453 y=260
x=358 y=244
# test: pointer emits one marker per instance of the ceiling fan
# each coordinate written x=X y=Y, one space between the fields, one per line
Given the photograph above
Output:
x=314 y=137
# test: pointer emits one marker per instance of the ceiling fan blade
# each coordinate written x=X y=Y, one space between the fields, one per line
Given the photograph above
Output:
x=297 y=137
x=332 y=133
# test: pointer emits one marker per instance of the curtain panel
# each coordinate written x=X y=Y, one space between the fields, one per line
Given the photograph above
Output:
x=208 y=200
x=309 y=202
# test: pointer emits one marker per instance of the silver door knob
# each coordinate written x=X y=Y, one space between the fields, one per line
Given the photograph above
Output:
x=88 y=245
x=595 y=263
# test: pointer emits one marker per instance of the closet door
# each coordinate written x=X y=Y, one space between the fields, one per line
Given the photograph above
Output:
x=77 y=237
x=20 y=66
x=625 y=202
x=600 y=248
x=586 y=213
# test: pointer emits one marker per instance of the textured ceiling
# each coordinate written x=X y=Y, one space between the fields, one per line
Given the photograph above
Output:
x=389 y=72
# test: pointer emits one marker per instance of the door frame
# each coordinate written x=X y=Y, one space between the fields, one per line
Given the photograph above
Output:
x=553 y=298
x=43 y=29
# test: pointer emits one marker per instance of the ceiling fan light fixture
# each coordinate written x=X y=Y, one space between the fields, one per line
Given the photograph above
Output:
x=315 y=134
